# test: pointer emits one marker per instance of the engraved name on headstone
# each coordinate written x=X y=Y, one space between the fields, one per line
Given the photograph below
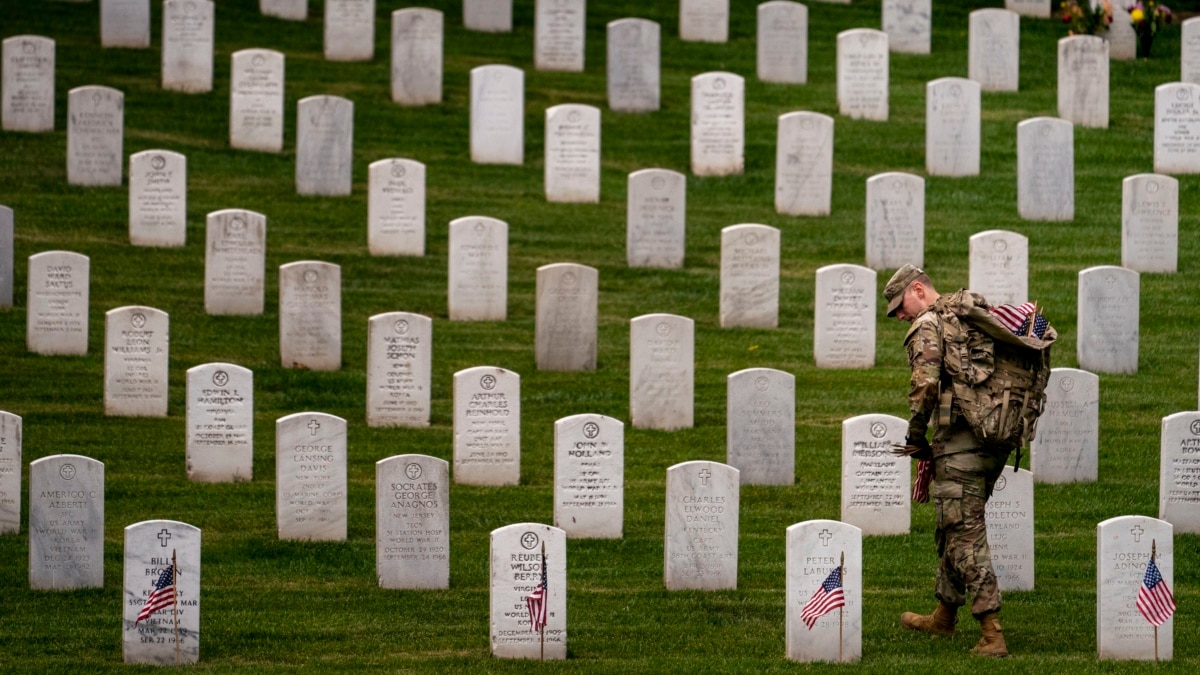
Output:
x=994 y=49
x=487 y=426
x=718 y=124
x=256 y=100
x=895 y=220
x=589 y=476
x=875 y=483
x=417 y=56
x=558 y=34
x=1083 y=80
x=862 y=74
x=136 y=353
x=170 y=635
x=661 y=371
x=1123 y=548
x=10 y=473
x=1179 y=472
x=814 y=549
x=349 y=30
x=187 y=45
x=324 y=145
x=125 y=23
x=567 y=309
x=750 y=276
x=1066 y=449
x=701 y=550
x=1150 y=223
x=478 y=269
x=66 y=523
x=572 y=166
x=157 y=198
x=999 y=266
x=760 y=426
x=28 y=83
x=1177 y=128
x=633 y=66
x=412 y=522
x=844 y=317
x=497 y=115
x=908 y=25
x=310 y=477
x=804 y=164
x=1108 y=328
x=399 y=367
x=656 y=218
x=1010 y=530
x=704 y=20
x=234 y=262
x=95 y=136
x=220 y=423
x=292 y=10
x=488 y=16
x=56 y=321
x=952 y=127
x=1046 y=169
x=310 y=315
x=396 y=207
x=782 y=42
x=517 y=553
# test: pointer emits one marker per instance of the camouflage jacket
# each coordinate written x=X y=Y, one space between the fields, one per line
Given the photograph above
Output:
x=923 y=342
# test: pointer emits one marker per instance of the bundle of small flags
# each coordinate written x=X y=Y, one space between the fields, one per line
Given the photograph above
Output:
x=1017 y=318
x=920 y=490
x=538 y=601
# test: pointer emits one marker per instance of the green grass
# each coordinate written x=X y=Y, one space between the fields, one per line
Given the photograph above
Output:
x=273 y=605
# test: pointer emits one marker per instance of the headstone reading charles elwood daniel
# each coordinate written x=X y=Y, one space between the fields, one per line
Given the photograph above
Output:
x=750 y=261
x=412 y=522
x=66 y=523
x=1066 y=448
x=656 y=218
x=56 y=319
x=396 y=207
x=310 y=477
x=718 y=124
x=908 y=25
x=633 y=66
x=1179 y=472
x=27 y=102
x=497 y=115
x=1150 y=223
x=235 y=250
x=701 y=550
x=589 y=476
x=488 y=16
x=875 y=482
x=782 y=42
x=844 y=317
x=487 y=426
x=1083 y=80
x=310 y=315
x=6 y=257
x=895 y=220
x=136 y=352
x=661 y=371
x=125 y=23
x=815 y=548
x=559 y=30
x=952 y=127
x=862 y=74
x=804 y=164
x=1177 y=128
x=162 y=629
x=10 y=473
x=1010 y=530
x=994 y=49
x=704 y=20
x=999 y=266
x=292 y=10
x=1046 y=169
x=399 y=367
x=572 y=166
x=95 y=136
x=567 y=309
x=157 y=198
x=760 y=425
x=417 y=56
x=324 y=145
x=517 y=556
x=256 y=100
x=220 y=423
x=349 y=30
x=1108 y=329
x=187 y=45
x=1123 y=549
x=478 y=269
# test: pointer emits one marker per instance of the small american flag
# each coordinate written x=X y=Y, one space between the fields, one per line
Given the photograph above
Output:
x=920 y=490
x=539 y=599
x=1154 y=599
x=162 y=596
x=1016 y=319
x=827 y=598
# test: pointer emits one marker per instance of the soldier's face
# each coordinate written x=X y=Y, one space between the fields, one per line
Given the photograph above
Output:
x=910 y=305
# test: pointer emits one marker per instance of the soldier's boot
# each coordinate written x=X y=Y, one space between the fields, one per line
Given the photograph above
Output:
x=992 y=642
x=941 y=622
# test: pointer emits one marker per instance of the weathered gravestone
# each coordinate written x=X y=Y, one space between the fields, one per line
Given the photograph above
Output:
x=1037 y=8
x=310 y=315
x=782 y=42
x=1179 y=472
x=701 y=550
x=220 y=423
x=524 y=557
x=417 y=56
x=815 y=548
x=718 y=124
x=1046 y=169
x=10 y=473
x=412 y=522
x=589 y=476
x=875 y=482
x=187 y=45
x=760 y=426
x=310 y=477
x=56 y=321
x=1150 y=223
x=292 y=10
x=324 y=145
x=497 y=115
x=999 y=266
x=136 y=352
x=895 y=220
x=704 y=20
x=1066 y=449
x=125 y=23
x=1123 y=548
x=862 y=74
x=559 y=28
x=994 y=49
x=1189 y=56
x=844 y=317
x=1107 y=333
x=572 y=166
x=235 y=251
x=396 y=207
x=160 y=622
x=804 y=164
x=478 y=269
x=1083 y=80
x=661 y=371
x=656 y=218
x=349 y=30
x=66 y=523
x=1177 y=128
x=28 y=83
x=488 y=16
x=749 y=276
x=399 y=367
x=487 y=426
x=908 y=25
x=157 y=198
x=95 y=135
x=952 y=136
x=567 y=308
x=1121 y=36
x=634 y=71
x=256 y=100
x=1010 y=530
x=6 y=257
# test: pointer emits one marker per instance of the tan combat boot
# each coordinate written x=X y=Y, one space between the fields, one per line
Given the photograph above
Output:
x=941 y=622
x=992 y=642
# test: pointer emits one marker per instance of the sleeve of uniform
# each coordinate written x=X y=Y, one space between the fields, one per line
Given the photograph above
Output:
x=924 y=347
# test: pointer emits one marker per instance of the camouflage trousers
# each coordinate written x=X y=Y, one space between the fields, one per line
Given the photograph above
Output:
x=962 y=484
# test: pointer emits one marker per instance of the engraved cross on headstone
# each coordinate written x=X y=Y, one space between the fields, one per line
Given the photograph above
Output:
x=825 y=536
x=313 y=425
x=163 y=537
x=1137 y=533
x=705 y=474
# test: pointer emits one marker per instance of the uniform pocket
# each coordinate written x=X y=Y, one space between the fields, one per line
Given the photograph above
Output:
x=948 y=500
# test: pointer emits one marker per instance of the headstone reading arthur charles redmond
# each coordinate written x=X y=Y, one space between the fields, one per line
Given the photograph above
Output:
x=815 y=548
x=235 y=252
x=804 y=164
x=908 y=25
x=66 y=523
x=310 y=477
x=572 y=172
x=396 y=207
x=782 y=42
x=399 y=363
x=187 y=45
x=760 y=426
x=497 y=115
x=999 y=266
x=589 y=476
x=292 y=10
x=1108 y=328
x=1179 y=472
x=310 y=315
x=701 y=550
x=412 y=522
x=718 y=138
x=169 y=632
x=136 y=352
x=895 y=220
x=656 y=218
x=220 y=423
x=1068 y=432
x=633 y=66
x=157 y=198
x=1046 y=169
x=1010 y=530
x=558 y=34
x=10 y=473
x=844 y=317
x=256 y=100
x=1083 y=80
x=324 y=145
x=478 y=269
x=1123 y=549
x=487 y=426
x=1150 y=223
x=875 y=482
x=517 y=554
x=95 y=136
x=349 y=30
x=1177 y=128
x=417 y=56
x=661 y=371
x=862 y=74
x=749 y=276
x=952 y=127
x=56 y=320
x=704 y=20
x=994 y=50
x=125 y=23
x=488 y=16
x=567 y=307
x=28 y=84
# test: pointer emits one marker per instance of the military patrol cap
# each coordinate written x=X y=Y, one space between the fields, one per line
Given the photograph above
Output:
x=893 y=292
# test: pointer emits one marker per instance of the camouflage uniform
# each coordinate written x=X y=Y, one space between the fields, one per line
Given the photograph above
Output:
x=962 y=480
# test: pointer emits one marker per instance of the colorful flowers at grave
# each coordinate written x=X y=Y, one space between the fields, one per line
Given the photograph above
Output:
x=1148 y=17
x=1085 y=18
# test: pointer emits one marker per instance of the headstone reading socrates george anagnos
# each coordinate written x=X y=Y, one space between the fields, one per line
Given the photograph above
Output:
x=220 y=423
x=875 y=482
x=487 y=426
x=349 y=30
x=1010 y=530
x=815 y=548
x=1067 y=446
x=1123 y=548
x=862 y=74
x=999 y=266
x=10 y=473
x=521 y=556
x=804 y=164
x=478 y=269
x=633 y=68
x=136 y=355
x=760 y=425
x=310 y=477
x=396 y=207
x=235 y=250
x=56 y=318
x=497 y=115
x=701 y=550
x=417 y=56
x=66 y=523
x=27 y=98
x=310 y=315
x=187 y=45
x=157 y=198
x=412 y=522
x=750 y=260
x=95 y=136
x=589 y=476
x=844 y=317
x=399 y=367
x=565 y=336
x=169 y=635
x=256 y=82
x=661 y=371
x=656 y=218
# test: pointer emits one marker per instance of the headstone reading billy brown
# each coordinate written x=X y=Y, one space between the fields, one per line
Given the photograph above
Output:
x=1179 y=472
x=952 y=127
x=1066 y=448
x=558 y=34
x=1150 y=223
x=999 y=266
x=701 y=550
x=157 y=198
x=497 y=115
x=310 y=477
x=27 y=98
x=875 y=482
x=396 y=207
x=170 y=635
x=782 y=42
x=95 y=136
x=412 y=522
x=718 y=136
x=125 y=23
x=1010 y=530
x=6 y=257
x=56 y=319
x=589 y=476
x=567 y=308
x=136 y=354
x=1177 y=128
x=487 y=426
x=760 y=426
x=804 y=164
x=994 y=49
x=235 y=249
x=310 y=315
x=417 y=56
x=66 y=523
x=1123 y=548
x=895 y=220
x=656 y=218
x=292 y=10
x=517 y=553
x=661 y=371
x=814 y=549
x=1189 y=56
x=908 y=25
x=488 y=16
x=750 y=276
x=633 y=67
x=1046 y=169
x=324 y=145
x=572 y=166
x=187 y=45
x=10 y=473
x=256 y=100
x=349 y=30
x=220 y=423
x=1108 y=328
x=399 y=366
x=1083 y=80
x=478 y=269
x=862 y=74
x=844 y=317
x=704 y=20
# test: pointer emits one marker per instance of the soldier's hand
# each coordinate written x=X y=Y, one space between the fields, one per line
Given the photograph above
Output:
x=916 y=448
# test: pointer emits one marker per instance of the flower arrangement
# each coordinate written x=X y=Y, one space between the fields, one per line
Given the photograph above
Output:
x=1084 y=18
x=1148 y=17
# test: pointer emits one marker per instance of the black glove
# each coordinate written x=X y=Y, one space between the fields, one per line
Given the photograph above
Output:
x=916 y=447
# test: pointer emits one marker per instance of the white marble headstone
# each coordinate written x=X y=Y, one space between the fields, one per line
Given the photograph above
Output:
x=28 y=83
x=1189 y=56
x=1066 y=449
x=6 y=257
x=844 y=317
x=1010 y=530
x=760 y=425
x=895 y=220
x=95 y=135
x=56 y=321
x=497 y=115
x=999 y=266
x=572 y=167
x=782 y=42
x=487 y=426
x=1037 y=8
x=701 y=550
x=704 y=20
x=517 y=553
x=633 y=66
x=1083 y=80
x=324 y=145
x=994 y=49
x=171 y=635
x=187 y=45
x=1150 y=223
x=125 y=23
x=814 y=549
x=136 y=354
x=292 y=10
x=399 y=367
x=750 y=276
x=718 y=124
x=220 y=423
x=1177 y=128
x=559 y=28
x=1123 y=547
x=1121 y=36
x=589 y=476
x=157 y=198
x=310 y=477
x=862 y=74
x=349 y=30
x=1107 y=332
x=66 y=523
x=908 y=24
x=10 y=473
x=656 y=218
x=661 y=371
x=478 y=269
x=310 y=315
x=417 y=56
x=875 y=483
x=235 y=250
x=804 y=164
x=952 y=127
x=256 y=100
x=488 y=16
x=412 y=522
x=1179 y=472
x=396 y=207
x=567 y=311
x=1046 y=169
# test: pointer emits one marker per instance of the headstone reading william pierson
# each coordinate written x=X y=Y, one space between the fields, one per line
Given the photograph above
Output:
x=875 y=482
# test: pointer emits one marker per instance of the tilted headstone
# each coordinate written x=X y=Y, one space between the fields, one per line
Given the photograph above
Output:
x=701 y=550
x=157 y=198
x=814 y=549
x=804 y=164
x=1150 y=223
x=895 y=220
x=1083 y=80
x=399 y=367
x=517 y=554
x=1179 y=472
x=66 y=523
x=235 y=250
x=1038 y=8
x=844 y=317
x=136 y=354
x=187 y=45
x=6 y=257
x=862 y=74
x=28 y=83
x=750 y=276
x=497 y=115
x=952 y=136
x=567 y=311
x=310 y=477
x=704 y=20
x=56 y=321
x=417 y=56
x=999 y=266
x=292 y=10
x=661 y=371
x=1121 y=36
x=487 y=426
x=633 y=65
x=1189 y=57
x=1107 y=333
x=718 y=124
x=1046 y=169
x=1177 y=128
x=589 y=476
x=95 y=136
x=256 y=100
x=396 y=207
x=10 y=473
x=656 y=218
x=1123 y=547
x=558 y=34
x=908 y=24
x=412 y=522
x=478 y=269
x=875 y=482
x=782 y=42
x=125 y=23
x=324 y=145
x=1066 y=449
x=310 y=315
x=994 y=49
x=572 y=166
x=1010 y=530
x=349 y=30
x=488 y=16
x=760 y=425
x=170 y=635
x=220 y=423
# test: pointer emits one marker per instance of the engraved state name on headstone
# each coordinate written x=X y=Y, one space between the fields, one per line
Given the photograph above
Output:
x=399 y=368
x=56 y=321
x=417 y=56
x=27 y=102
x=1010 y=530
x=10 y=473
x=310 y=477
x=814 y=549
x=701 y=550
x=412 y=522
x=169 y=635
x=220 y=423
x=66 y=523
x=1123 y=549
x=589 y=476
x=517 y=554
x=487 y=426
x=633 y=66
